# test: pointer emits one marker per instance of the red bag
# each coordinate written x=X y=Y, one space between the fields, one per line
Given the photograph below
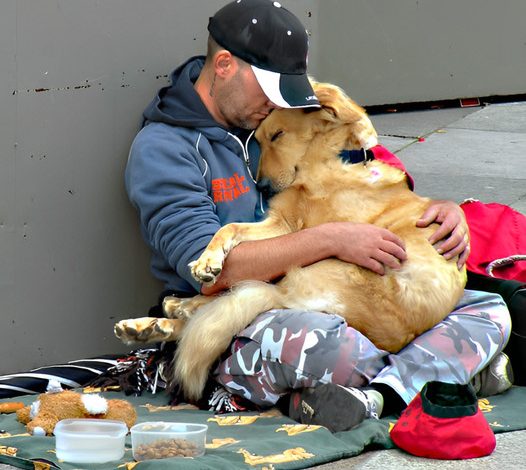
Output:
x=385 y=156
x=444 y=422
x=498 y=240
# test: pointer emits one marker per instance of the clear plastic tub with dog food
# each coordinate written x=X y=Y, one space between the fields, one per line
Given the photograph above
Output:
x=161 y=440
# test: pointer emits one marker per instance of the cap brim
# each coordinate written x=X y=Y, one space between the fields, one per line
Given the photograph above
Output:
x=286 y=90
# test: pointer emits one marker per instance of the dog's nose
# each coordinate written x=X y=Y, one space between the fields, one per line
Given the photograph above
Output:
x=265 y=187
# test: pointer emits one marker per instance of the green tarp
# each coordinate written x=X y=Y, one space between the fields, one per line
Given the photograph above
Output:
x=246 y=440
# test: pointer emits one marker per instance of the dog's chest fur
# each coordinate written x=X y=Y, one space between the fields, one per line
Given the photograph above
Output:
x=335 y=191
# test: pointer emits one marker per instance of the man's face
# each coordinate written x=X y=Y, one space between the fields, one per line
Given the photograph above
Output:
x=241 y=100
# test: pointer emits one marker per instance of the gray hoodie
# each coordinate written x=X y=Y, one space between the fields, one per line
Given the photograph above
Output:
x=188 y=176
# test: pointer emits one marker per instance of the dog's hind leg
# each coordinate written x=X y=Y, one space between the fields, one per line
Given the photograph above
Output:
x=154 y=330
x=210 y=331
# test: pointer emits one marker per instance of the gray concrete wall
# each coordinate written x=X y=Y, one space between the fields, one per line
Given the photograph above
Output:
x=385 y=51
x=74 y=78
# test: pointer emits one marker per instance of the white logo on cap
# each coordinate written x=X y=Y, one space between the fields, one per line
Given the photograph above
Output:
x=277 y=4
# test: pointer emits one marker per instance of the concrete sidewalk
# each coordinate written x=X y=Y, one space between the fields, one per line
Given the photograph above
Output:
x=465 y=153
x=458 y=154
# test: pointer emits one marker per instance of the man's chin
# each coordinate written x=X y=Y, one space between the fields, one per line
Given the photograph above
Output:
x=249 y=125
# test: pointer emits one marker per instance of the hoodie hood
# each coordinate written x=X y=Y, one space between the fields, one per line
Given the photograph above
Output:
x=179 y=104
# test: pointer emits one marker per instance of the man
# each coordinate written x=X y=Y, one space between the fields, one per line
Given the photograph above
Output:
x=191 y=171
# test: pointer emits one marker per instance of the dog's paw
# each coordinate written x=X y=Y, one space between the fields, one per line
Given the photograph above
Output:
x=145 y=330
x=208 y=267
x=173 y=307
x=183 y=309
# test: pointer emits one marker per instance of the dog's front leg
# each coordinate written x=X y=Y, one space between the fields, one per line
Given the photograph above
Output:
x=209 y=265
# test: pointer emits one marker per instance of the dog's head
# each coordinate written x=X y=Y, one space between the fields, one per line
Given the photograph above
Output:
x=286 y=135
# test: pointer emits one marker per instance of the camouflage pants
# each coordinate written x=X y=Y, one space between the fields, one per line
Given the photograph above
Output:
x=288 y=349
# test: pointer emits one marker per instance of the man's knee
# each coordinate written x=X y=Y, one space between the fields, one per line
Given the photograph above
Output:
x=489 y=306
x=293 y=332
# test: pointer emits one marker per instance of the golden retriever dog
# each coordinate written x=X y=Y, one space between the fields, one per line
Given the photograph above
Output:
x=300 y=158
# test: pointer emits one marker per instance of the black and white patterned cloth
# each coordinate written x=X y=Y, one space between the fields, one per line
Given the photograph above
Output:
x=72 y=374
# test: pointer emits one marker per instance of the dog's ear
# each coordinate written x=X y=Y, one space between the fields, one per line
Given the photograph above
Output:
x=337 y=104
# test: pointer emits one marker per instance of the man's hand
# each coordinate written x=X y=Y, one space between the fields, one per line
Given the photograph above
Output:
x=452 y=237
x=367 y=245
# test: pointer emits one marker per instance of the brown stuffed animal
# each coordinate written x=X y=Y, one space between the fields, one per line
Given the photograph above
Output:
x=41 y=417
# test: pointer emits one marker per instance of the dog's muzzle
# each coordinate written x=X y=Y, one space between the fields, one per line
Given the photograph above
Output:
x=266 y=188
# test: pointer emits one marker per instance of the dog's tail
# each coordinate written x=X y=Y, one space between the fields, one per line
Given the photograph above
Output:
x=210 y=331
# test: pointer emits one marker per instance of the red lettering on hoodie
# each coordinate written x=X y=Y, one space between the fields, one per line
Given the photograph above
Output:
x=228 y=189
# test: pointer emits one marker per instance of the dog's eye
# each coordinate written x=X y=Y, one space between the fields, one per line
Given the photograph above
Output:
x=276 y=135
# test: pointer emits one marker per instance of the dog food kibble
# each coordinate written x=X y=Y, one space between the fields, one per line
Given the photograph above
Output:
x=166 y=448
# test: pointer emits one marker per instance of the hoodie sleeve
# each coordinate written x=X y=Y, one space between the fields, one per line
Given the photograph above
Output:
x=166 y=183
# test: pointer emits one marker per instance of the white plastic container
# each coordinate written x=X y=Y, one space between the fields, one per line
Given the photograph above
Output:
x=161 y=440
x=90 y=440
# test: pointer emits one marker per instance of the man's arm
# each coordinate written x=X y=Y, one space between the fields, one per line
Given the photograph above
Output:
x=366 y=245
x=362 y=244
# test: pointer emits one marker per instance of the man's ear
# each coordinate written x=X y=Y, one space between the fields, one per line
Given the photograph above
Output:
x=224 y=63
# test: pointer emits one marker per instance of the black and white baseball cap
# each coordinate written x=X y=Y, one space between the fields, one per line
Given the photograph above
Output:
x=274 y=42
